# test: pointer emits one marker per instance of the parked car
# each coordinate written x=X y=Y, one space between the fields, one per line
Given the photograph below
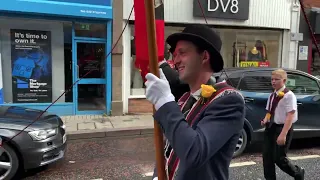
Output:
x=255 y=86
x=40 y=144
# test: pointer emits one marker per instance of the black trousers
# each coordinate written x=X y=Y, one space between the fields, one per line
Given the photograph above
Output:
x=275 y=154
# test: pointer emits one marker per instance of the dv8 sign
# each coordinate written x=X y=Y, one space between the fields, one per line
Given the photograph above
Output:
x=224 y=9
x=214 y=5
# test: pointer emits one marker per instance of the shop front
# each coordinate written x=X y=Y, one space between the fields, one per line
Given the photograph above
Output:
x=46 y=47
x=255 y=33
x=309 y=59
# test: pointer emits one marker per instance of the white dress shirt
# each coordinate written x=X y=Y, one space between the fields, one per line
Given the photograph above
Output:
x=287 y=104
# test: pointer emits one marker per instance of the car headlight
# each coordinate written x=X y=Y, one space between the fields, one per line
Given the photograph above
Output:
x=42 y=134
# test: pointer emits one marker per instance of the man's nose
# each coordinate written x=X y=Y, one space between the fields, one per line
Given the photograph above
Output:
x=176 y=60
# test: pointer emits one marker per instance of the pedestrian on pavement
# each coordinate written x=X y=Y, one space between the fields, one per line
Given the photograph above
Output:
x=282 y=114
x=203 y=128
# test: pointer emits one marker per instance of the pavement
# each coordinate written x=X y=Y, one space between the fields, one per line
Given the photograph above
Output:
x=133 y=158
x=99 y=126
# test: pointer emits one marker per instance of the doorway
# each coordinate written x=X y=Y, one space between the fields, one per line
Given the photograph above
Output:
x=90 y=89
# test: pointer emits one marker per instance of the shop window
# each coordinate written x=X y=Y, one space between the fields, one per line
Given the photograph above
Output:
x=240 y=48
x=250 y=48
x=90 y=30
x=36 y=57
x=137 y=87
x=315 y=64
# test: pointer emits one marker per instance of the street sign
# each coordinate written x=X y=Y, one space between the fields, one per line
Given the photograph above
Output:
x=296 y=37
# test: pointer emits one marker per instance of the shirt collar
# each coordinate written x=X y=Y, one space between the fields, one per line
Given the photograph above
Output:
x=196 y=94
x=280 y=90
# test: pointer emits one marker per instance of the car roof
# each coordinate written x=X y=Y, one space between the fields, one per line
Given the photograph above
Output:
x=255 y=69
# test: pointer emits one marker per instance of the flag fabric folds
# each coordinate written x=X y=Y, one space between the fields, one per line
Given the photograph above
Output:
x=140 y=34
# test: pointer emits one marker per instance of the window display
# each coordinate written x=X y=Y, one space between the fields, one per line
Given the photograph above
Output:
x=240 y=48
x=137 y=87
x=257 y=49
x=33 y=60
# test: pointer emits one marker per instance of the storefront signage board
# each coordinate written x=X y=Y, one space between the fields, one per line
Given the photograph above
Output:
x=222 y=9
x=99 y=9
x=254 y=64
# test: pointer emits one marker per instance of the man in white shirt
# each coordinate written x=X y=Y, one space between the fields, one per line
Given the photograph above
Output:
x=282 y=114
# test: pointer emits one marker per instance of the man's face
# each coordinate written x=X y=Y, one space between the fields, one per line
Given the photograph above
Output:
x=277 y=81
x=187 y=60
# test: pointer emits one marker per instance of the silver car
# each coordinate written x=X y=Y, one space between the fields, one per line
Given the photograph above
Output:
x=39 y=144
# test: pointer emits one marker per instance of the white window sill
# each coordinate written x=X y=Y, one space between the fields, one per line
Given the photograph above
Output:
x=137 y=96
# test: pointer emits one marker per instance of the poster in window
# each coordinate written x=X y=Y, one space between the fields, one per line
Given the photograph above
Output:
x=31 y=66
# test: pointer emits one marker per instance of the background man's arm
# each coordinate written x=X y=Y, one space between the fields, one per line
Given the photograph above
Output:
x=178 y=88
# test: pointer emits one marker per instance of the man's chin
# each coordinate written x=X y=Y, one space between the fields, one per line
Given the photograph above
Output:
x=181 y=76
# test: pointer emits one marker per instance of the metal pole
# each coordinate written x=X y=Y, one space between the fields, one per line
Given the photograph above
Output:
x=154 y=69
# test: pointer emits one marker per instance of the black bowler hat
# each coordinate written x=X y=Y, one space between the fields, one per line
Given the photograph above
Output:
x=203 y=37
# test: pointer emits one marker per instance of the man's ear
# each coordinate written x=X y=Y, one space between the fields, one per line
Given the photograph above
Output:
x=206 y=57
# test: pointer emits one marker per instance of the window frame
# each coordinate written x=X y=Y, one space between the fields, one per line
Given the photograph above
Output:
x=306 y=76
x=245 y=74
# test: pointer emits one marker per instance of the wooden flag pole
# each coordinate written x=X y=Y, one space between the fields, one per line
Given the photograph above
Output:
x=154 y=69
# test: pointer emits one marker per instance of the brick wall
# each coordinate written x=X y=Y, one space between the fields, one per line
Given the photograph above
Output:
x=139 y=106
x=311 y=3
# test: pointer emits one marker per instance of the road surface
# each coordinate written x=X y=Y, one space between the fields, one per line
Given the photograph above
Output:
x=132 y=158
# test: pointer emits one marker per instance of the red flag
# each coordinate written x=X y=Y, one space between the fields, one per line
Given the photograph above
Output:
x=140 y=33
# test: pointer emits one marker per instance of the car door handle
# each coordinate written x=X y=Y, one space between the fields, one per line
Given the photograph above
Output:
x=246 y=99
x=299 y=103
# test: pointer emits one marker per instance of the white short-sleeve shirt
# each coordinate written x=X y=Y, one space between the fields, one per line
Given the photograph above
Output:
x=287 y=104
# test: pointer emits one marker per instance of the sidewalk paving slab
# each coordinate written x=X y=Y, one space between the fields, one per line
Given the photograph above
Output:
x=99 y=126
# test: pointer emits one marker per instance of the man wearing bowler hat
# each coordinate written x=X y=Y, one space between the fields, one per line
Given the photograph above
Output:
x=203 y=127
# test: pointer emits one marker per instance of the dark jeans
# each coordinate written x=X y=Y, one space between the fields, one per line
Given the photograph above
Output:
x=275 y=154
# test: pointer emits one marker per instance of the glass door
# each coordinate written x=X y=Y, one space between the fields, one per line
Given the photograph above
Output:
x=90 y=77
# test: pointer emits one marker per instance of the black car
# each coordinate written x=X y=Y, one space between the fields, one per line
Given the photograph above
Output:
x=255 y=86
x=40 y=144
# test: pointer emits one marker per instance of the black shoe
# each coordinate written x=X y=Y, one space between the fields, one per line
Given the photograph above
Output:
x=301 y=175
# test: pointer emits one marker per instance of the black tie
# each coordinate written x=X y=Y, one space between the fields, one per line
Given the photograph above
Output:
x=188 y=105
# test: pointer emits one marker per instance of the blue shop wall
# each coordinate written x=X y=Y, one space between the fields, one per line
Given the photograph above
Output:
x=94 y=9
x=69 y=10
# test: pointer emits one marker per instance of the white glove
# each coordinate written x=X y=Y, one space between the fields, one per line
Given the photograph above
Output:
x=156 y=178
x=158 y=91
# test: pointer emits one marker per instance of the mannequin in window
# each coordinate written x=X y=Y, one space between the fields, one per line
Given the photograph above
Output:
x=261 y=46
x=254 y=55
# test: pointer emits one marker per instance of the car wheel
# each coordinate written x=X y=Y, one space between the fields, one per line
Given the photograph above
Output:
x=9 y=162
x=242 y=143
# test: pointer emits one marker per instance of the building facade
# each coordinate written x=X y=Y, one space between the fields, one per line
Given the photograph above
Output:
x=254 y=33
x=309 y=59
x=47 y=46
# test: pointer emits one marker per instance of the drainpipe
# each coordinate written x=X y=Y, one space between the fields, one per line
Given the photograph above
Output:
x=293 y=45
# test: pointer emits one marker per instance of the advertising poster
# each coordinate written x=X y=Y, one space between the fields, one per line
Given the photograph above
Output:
x=303 y=52
x=31 y=66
